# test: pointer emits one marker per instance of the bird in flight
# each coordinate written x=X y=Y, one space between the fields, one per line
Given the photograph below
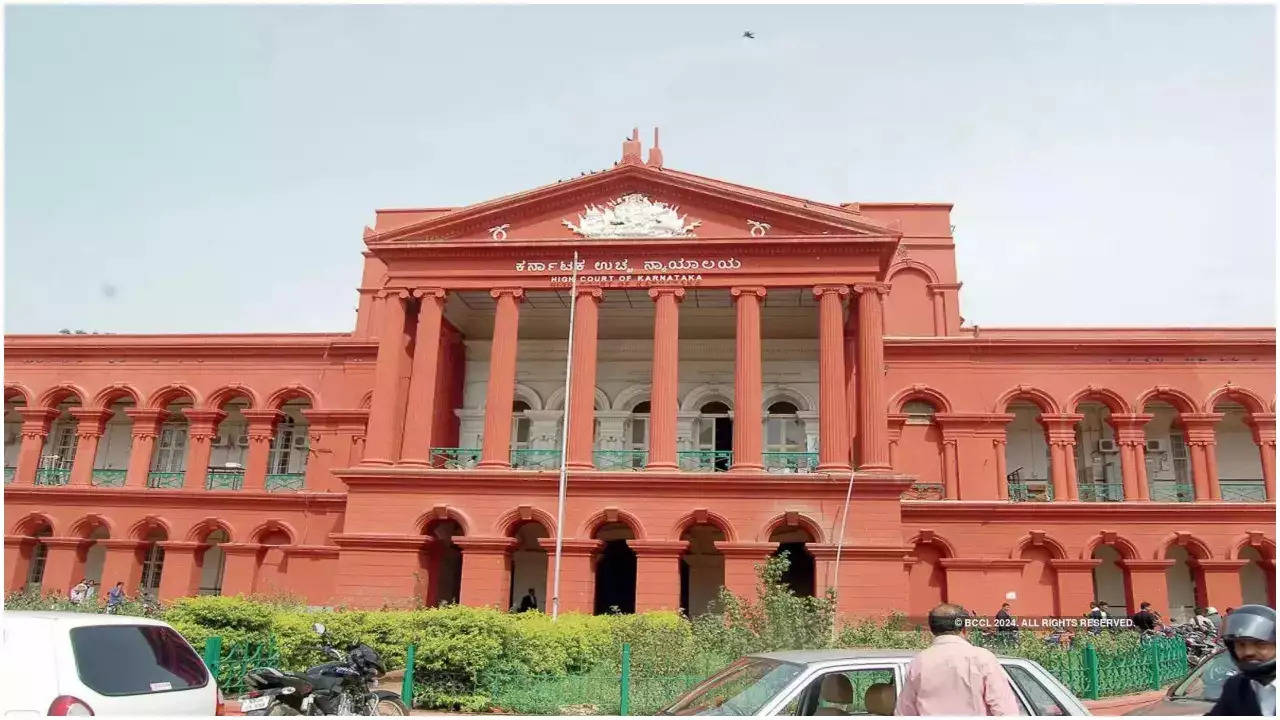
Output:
x=748 y=34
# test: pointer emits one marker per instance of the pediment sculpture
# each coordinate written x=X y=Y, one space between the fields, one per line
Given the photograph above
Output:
x=632 y=215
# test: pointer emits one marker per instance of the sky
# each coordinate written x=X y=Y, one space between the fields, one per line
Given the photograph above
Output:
x=210 y=169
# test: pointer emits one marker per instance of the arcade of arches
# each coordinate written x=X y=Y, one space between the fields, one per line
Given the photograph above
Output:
x=741 y=359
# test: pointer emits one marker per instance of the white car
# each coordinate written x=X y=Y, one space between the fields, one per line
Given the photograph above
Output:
x=63 y=663
x=846 y=682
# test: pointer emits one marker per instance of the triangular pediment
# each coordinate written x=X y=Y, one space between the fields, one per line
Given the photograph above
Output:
x=636 y=202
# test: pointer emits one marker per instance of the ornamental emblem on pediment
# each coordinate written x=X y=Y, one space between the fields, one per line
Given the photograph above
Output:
x=632 y=215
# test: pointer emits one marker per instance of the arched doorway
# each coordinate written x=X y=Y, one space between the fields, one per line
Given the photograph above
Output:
x=152 y=562
x=714 y=437
x=918 y=450
x=96 y=554
x=701 y=569
x=615 y=570
x=1254 y=588
x=1027 y=455
x=1185 y=584
x=1167 y=456
x=801 y=574
x=1109 y=581
x=59 y=452
x=1098 y=468
x=212 y=562
x=39 y=555
x=785 y=446
x=927 y=580
x=1239 y=458
x=529 y=565
x=442 y=562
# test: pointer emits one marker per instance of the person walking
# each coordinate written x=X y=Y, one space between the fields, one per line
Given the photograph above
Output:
x=1006 y=623
x=529 y=602
x=115 y=598
x=1095 y=616
x=1250 y=635
x=952 y=677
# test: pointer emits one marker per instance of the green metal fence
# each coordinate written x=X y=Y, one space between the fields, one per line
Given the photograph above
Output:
x=454 y=458
x=1171 y=491
x=167 y=480
x=1030 y=491
x=1101 y=492
x=103 y=477
x=1092 y=673
x=285 y=482
x=535 y=459
x=705 y=460
x=223 y=480
x=53 y=476
x=620 y=459
x=231 y=662
x=790 y=462
x=1243 y=490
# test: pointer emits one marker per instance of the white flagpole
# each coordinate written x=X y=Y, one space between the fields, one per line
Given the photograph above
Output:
x=564 y=446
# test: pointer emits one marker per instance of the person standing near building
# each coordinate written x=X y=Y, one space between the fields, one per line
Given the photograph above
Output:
x=90 y=592
x=115 y=598
x=1250 y=635
x=1144 y=620
x=529 y=602
x=77 y=592
x=1006 y=623
x=952 y=677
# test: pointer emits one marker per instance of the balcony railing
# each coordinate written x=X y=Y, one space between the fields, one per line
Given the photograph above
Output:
x=1171 y=491
x=925 y=491
x=620 y=459
x=1030 y=491
x=219 y=479
x=535 y=459
x=285 y=482
x=53 y=476
x=1243 y=490
x=454 y=458
x=790 y=462
x=103 y=477
x=705 y=460
x=1101 y=492
x=166 y=480
x=9 y=474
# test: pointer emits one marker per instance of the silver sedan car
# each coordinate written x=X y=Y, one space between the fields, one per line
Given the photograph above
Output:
x=1197 y=692
x=845 y=682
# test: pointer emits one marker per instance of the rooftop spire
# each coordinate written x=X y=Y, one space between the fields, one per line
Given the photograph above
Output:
x=631 y=151
x=655 y=152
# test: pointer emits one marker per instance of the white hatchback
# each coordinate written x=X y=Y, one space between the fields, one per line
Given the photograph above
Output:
x=60 y=663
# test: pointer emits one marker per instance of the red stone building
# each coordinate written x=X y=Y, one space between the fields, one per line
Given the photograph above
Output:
x=734 y=351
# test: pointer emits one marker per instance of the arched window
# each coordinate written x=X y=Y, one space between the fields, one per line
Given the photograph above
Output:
x=714 y=436
x=783 y=429
x=153 y=565
x=637 y=430
x=919 y=412
x=521 y=425
x=171 y=448
x=39 y=554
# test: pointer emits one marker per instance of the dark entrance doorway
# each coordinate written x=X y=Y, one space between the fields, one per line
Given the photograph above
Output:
x=615 y=571
x=800 y=575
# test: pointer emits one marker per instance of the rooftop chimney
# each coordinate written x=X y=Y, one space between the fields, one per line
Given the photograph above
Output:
x=655 y=152
x=631 y=151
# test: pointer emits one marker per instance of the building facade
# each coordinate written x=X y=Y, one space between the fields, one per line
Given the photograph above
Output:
x=740 y=359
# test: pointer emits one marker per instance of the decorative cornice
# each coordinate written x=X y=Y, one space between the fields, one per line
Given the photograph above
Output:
x=187 y=497
x=751 y=550
x=571 y=547
x=1217 y=565
x=485 y=545
x=1061 y=564
x=378 y=541
x=983 y=563
x=1147 y=565
x=658 y=548
x=1003 y=511
x=892 y=553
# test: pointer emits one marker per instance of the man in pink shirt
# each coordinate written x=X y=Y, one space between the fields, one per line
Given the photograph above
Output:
x=952 y=677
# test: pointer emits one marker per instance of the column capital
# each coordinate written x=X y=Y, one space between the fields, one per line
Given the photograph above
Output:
x=838 y=290
x=1222 y=566
x=384 y=293
x=65 y=542
x=592 y=292
x=1074 y=565
x=756 y=290
x=1199 y=427
x=516 y=293
x=37 y=419
x=180 y=545
x=203 y=422
x=936 y=288
x=675 y=292
x=430 y=292
x=876 y=287
x=90 y=420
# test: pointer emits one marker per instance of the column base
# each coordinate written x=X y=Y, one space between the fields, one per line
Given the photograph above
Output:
x=833 y=468
x=662 y=467
x=878 y=467
x=493 y=466
x=752 y=467
x=376 y=461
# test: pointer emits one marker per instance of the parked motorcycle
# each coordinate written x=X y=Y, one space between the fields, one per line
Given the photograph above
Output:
x=1200 y=644
x=345 y=686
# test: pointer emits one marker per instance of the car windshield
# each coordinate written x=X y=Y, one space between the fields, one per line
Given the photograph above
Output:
x=1205 y=682
x=740 y=689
